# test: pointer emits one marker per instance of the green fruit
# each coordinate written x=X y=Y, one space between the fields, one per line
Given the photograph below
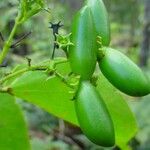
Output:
x=123 y=73
x=82 y=55
x=101 y=21
x=93 y=116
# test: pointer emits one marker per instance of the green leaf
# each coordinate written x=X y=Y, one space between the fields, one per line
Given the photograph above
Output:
x=48 y=92
x=123 y=119
x=28 y=8
x=13 y=131
x=53 y=95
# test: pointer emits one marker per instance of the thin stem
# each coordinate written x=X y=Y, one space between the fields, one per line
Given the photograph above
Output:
x=53 y=53
x=8 y=43
x=18 y=42
x=2 y=37
x=22 y=71
x=31 y=68
x=63 y=80
x=60 y=61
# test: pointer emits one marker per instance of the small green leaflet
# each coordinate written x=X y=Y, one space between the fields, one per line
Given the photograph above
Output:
x=13 y=131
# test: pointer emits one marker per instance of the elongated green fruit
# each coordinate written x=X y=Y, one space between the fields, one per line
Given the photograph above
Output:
x=101 y=20
x=93 y=116
x=123 y=73
x=82 y=55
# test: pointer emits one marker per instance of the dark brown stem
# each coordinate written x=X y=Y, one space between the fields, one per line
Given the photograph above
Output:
x=2 y=37
x=17 y=43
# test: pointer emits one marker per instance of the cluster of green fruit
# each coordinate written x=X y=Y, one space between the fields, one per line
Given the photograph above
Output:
x=94 y=119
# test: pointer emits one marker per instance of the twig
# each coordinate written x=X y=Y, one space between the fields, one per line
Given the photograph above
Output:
x=55 y=28
x=29 y=61
x=67 y=139
x=22 y=71
x=63 y=80
x=7 y=44
x=41 y=68
x=17 y=43
x=2 y=37
x=47 y=10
